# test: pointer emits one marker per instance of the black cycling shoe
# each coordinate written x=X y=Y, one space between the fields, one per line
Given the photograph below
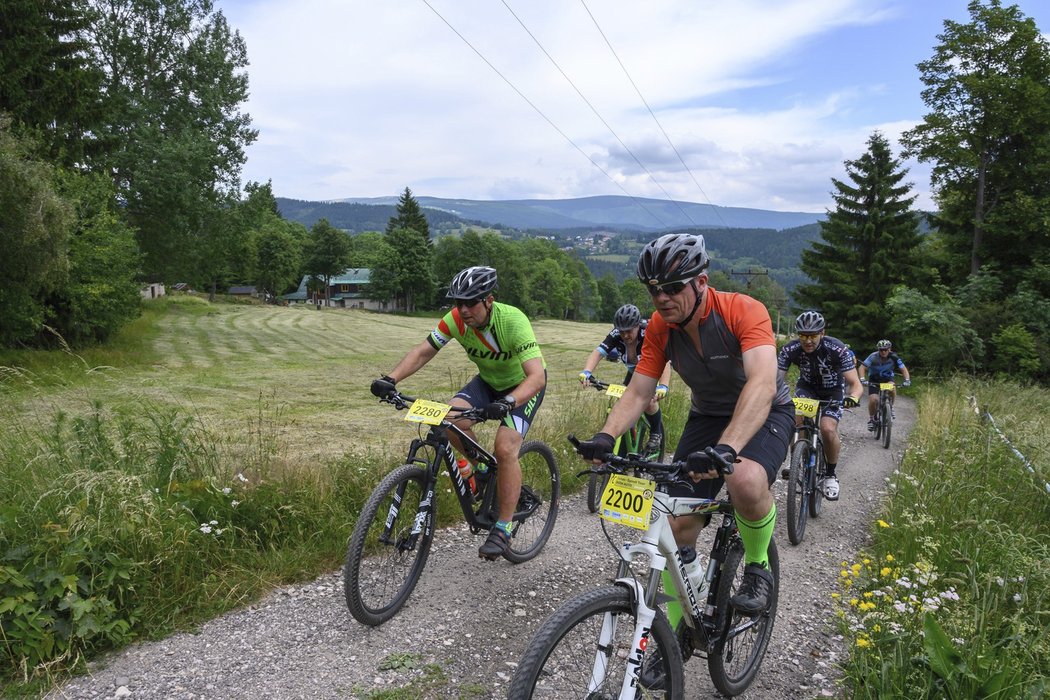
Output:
x=755 y=592
x=496 y=545
x=652 y=447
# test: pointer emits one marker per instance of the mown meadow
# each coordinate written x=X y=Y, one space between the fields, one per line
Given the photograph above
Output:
x=214 y=451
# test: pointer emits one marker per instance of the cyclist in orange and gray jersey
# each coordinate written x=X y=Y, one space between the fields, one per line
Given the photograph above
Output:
x=510 y=383
x=722 y=346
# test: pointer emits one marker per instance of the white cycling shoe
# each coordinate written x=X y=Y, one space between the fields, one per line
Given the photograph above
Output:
x=830 y=486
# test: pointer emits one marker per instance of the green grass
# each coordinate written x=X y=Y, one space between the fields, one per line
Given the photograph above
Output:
x=953 y=598
x=209 y=453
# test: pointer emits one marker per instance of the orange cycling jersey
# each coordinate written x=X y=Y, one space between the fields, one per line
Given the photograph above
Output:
x=730 y=325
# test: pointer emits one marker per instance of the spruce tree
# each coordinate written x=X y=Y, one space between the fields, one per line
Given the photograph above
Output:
x=868 y=246
x=409 y=216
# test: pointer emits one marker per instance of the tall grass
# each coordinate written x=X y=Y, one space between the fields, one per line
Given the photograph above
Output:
x=953 y=598
x=210 y=453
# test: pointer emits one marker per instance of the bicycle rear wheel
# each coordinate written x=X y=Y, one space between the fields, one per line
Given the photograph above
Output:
x=887 y=423
x=537 y=508
x=734 y=665
x=798 y=478
x=816 y=475
x=569 y=658
x=384 y=559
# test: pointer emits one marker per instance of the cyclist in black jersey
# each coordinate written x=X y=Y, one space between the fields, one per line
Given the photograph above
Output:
x=510 y=383
x=624 y=344
x=827 y=370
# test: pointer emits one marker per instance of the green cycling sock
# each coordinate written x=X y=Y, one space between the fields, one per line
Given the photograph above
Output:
x=505 y=525
x=756 y=536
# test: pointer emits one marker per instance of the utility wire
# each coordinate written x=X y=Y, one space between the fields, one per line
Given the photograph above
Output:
x=545 y=117
x=653 y=114
x=597 y=114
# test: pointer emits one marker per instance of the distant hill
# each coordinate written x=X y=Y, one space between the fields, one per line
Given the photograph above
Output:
x=617 y=212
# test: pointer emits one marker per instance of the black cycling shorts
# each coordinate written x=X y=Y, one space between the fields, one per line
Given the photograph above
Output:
x=478 y=393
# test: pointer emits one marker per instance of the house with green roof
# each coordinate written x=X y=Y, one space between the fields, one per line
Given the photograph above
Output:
x=348 y=290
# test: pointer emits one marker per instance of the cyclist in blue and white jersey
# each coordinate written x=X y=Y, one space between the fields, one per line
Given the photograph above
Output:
x=880 y=366
x=827 y=371
x=624 y=344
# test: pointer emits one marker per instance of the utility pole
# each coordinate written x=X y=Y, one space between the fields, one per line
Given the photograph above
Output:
x=750 y=274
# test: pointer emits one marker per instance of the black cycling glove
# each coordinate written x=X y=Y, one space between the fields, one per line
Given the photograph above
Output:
x=384 y=387
x=850 y=402
x=498 y=410
x=598 y=447
x=704 y=461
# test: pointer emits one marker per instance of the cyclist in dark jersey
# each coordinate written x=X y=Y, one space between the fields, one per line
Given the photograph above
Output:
x=510 y=383
x=880 y=366
x=624 y=344
x=827 y=371
x=722 y=346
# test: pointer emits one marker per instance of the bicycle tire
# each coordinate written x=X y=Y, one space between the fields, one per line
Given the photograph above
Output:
x=560 y=658
x=729 y=677
x=887 y=419
x=540 y=499
x=595 y=487
x=797 y=507
x=816 y=474
x=379 y=577
x=878 y=420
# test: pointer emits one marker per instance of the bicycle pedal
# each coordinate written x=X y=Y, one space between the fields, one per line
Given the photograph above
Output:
x=785 y=474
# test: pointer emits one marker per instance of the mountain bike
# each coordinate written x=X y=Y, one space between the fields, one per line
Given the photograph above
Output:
x=807 y=467
x=615 y=641
x=631 y=442
x=392 y=538
x=884 y=413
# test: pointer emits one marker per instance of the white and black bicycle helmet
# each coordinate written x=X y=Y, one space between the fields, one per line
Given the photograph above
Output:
x=673 y=257
x=883 y=345
x=627 y=317
x=809 y=322
x=472 y=283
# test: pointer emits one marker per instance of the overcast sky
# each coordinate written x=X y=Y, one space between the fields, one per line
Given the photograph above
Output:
x=763 y=100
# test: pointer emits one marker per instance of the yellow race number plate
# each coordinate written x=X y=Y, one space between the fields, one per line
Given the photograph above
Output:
x=886 y=386
x=616 y=390
x=806 y=407
x=627 y=500
x=429 y=412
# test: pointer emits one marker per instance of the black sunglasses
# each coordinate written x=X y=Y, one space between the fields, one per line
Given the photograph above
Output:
x=670 y=288
x=460 y=303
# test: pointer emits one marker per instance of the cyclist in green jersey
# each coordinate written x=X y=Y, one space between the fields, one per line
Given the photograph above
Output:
x=510 y=383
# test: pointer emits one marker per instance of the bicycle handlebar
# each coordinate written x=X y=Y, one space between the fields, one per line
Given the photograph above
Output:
x=402 y=401
x=662 y=472
x=597 y=383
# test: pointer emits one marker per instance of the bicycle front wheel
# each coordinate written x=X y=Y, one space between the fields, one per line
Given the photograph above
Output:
x=537 y=508
x=388 y=549
x=798 y=479
x=582 y=651
x=595 y=487
x=734 y=665
x=887 y=424
x=816 y=488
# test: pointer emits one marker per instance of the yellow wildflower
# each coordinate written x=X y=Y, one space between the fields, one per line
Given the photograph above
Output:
x=889 y=557
x=863 y=642
x=883 y=523
x=885 y=571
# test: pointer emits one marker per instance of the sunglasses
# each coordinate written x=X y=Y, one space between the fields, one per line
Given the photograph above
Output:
x=808 y=336
x=463 y=303
x=670 y=288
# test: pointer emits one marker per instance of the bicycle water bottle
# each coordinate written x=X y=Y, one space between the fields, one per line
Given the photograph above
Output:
x=694 y=571
x=467 y=474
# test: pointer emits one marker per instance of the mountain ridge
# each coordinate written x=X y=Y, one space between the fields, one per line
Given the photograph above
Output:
x=613 y=211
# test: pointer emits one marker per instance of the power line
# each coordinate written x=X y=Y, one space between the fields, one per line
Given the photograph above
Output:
x=653 y=114
x=597 y=114
x=540 y=112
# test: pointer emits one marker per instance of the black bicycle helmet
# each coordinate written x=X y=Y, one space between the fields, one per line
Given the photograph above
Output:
x=472 y=283
x=809 y=322
x=883 y=345
x=627 y=317
x=674 y=257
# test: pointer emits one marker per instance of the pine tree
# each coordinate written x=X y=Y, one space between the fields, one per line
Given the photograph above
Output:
x=409 y=216
x=868 y=246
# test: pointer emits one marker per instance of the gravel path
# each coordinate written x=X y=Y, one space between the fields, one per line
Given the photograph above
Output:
x=470 y=620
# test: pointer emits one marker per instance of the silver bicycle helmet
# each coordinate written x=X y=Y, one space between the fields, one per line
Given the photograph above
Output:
x=883 y=345
x=627 y=317
x=673 y=257
x=472 y=283
x=809 y=322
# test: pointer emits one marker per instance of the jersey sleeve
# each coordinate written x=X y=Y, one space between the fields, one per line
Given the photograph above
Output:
x=653 y=358
x=748 y=320
x=784 y=358
x=450 y=326
x=608 y=344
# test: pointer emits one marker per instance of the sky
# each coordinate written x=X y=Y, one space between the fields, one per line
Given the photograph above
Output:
x=745 y=103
